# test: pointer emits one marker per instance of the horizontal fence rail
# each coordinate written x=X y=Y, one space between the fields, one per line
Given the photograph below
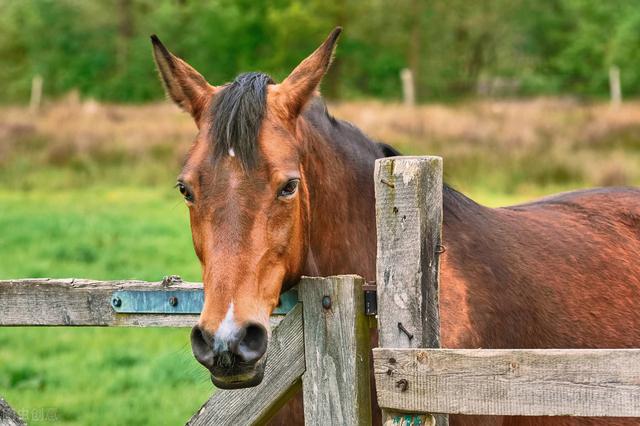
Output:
x=124 y=303
x=527 y=382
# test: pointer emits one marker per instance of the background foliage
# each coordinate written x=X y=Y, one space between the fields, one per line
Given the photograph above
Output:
x=454 y=46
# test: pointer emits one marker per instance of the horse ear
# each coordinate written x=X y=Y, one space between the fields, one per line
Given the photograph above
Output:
x=182 y=83
x=300 y=85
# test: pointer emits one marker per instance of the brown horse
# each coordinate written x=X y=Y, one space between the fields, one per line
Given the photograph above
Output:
x=278 y=188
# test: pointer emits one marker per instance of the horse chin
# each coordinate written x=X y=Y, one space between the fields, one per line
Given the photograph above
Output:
x=245 y=379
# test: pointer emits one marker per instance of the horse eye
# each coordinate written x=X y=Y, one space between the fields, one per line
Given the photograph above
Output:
x=184 y=191
x=289 y=189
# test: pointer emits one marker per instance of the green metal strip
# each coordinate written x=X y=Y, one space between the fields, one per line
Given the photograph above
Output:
x=178 y=301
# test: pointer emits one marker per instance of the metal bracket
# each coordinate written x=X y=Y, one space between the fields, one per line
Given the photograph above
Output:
x=370 y=298
x=178 y=301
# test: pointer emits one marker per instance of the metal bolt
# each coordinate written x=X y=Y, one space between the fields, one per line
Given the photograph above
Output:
x=116 y=302
x=403 y=384
x=173 y=301
x=326 y=302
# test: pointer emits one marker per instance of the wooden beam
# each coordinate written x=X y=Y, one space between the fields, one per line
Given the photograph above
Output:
x=409 y=228
x=520 y=382
x=285 y=366
x=8 y=417
x=81 y=302
x=336 y=384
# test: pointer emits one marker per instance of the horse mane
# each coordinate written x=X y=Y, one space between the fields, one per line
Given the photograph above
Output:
x=237 y=113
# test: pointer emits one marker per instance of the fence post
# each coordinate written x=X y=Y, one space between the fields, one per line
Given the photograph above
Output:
x=408 y=87
x=409 y=228
x=36 y=94
x=336 y=340
x=614 y=85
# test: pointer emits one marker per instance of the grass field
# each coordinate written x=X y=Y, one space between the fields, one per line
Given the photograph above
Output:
x=87 y=192
x=91 y=376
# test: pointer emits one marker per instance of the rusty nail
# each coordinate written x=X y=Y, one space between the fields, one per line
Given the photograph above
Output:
x=386 y=182
x=405 y=331
x=326 y=302
x=173 y=301
x=116 y=302
x=403 y=384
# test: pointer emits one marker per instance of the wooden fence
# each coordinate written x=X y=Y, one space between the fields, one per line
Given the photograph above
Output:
x=327 y=353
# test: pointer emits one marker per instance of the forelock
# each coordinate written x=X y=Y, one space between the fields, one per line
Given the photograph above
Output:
x=238 y=111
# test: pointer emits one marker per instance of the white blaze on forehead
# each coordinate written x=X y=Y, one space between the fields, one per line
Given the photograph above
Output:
x=227 y=328
x=232 y=153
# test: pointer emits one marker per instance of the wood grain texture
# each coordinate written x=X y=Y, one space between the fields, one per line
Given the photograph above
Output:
x=409 y=229
x=336 y=386
x=528 y=382
x=285 y=366
x=80 y=302
x=8 y=417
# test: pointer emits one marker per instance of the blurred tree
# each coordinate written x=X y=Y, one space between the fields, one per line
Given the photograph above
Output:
x=102 y=48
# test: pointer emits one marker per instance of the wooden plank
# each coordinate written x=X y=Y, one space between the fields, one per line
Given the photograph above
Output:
x=527 y=382
x=409 y=228
x=409 y=223
x=285 y=366
x=8 y=417
x=336 y=384
x=80 y=302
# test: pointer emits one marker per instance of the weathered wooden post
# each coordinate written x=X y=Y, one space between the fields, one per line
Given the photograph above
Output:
x=409 y=226
x=336 y=340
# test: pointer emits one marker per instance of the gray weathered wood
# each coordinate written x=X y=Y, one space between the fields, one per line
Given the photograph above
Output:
x=285 y=366
x=409 y=222
x=409 y=228
x=336 y=384
x=530 y=382
x=8 y=417
x=80 y=302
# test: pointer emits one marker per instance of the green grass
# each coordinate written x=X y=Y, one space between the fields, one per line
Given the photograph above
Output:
x=90 y=376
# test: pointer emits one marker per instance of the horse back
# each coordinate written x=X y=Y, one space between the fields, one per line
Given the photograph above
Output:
x=561 y=272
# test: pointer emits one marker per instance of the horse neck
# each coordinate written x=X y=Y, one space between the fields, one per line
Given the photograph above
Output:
x=338 y=163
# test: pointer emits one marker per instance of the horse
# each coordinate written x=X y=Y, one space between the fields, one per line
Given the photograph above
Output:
x=277 y=188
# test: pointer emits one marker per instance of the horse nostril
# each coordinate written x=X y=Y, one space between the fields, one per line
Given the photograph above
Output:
x=253 y=343
x=201 y=346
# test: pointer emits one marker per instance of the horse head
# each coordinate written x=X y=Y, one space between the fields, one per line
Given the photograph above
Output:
x=244 y=184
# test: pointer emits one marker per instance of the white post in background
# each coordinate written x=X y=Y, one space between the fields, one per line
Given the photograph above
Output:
x=36 y=94
x=614 y=85
x=408 y=88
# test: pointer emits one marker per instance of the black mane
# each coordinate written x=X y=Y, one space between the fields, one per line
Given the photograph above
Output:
x=237 y=112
